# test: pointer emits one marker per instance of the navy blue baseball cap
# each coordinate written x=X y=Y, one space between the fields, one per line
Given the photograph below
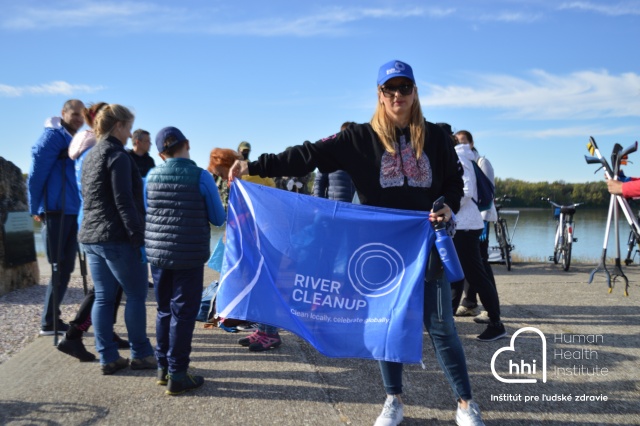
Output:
x=164 y=134
x=394 y=69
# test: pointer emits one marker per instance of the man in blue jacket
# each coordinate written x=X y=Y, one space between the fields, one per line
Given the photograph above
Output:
x=53 y=195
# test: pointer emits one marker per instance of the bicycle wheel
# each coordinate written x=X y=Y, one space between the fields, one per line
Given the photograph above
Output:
x=499 y=238
x=566 y=249
x=507 y=246
x=557 y=250
x=631 y=246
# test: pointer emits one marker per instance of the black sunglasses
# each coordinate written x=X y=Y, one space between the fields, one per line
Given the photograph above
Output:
x=390 y=91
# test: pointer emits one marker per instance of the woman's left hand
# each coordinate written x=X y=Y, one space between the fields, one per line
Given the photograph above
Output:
x=442 y=215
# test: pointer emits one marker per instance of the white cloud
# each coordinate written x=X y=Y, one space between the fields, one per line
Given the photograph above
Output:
x=331 y=22
x=146 y=16
x=517 y=17
x=132 y=16
x=53 y=88
x=568 y=132
x=579 y=95
x=619 y=9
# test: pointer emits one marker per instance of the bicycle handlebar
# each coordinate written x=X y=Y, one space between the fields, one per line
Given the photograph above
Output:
x=503 y=198
x=553 y=203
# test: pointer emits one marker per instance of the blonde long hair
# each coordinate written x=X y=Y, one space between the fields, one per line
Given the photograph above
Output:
x=107 y=118
x=386 y=130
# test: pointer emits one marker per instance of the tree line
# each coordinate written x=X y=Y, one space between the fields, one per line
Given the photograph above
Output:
x=529 y=194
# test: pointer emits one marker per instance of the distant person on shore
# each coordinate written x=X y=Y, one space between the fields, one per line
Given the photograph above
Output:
x=141 y=141
x=112 y=234
x=335 y=185
x=56 y=205
x=182 y=200
x=467 y=242
x=72 y=344
x=469 y=304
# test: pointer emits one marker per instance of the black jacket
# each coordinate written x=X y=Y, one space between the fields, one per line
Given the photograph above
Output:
x=112 y=194
x=143 y=162
x=358 y=151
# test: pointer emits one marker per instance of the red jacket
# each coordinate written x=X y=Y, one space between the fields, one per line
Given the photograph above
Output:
x=631 y=189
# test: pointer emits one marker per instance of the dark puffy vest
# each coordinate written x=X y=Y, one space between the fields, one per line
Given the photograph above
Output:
x=102 y=221
x=177 y=231
x=340 y=187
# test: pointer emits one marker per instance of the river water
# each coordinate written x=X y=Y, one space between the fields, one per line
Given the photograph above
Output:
x=534 y=235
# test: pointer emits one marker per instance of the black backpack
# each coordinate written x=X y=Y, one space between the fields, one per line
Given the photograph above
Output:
x=486 y=190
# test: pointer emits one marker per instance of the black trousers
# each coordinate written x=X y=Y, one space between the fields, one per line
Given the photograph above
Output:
x=467 y=243
x=82 y=320
x=470 y=299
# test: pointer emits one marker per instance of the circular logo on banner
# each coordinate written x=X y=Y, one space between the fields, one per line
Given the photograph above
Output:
x=375 y=269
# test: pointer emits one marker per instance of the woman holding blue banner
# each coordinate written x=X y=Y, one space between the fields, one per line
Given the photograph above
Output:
x=401 y=161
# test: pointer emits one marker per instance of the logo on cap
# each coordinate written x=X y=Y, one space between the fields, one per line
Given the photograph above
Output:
x=397 y=67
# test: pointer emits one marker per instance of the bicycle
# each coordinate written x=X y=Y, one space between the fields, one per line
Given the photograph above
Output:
x=503 y=238
x=564 y=238
x=633 y=246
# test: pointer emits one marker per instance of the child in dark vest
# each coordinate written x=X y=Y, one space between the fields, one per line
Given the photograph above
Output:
x=182 y=200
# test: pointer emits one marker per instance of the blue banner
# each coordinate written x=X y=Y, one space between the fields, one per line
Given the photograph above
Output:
x=346 y=278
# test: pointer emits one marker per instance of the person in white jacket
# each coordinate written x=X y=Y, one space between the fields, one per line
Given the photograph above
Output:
x=469 y=304
x=470 y=226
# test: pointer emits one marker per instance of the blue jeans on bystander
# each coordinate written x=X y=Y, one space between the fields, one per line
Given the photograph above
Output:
x=115 y=264
x=267 y=329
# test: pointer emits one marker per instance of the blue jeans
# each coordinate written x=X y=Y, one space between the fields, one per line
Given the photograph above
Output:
x=113 y=265
x=66 y=259
x=438 y=320
x=178 y=294
x=267 y=329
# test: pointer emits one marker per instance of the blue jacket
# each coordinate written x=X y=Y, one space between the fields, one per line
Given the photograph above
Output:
x=48 y=159
x=182 y=199
x=334 y=186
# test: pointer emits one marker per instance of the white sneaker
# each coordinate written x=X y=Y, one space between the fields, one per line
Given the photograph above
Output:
x=392 y=412
x=470 y=416
x=482 y=318
x=463 y=311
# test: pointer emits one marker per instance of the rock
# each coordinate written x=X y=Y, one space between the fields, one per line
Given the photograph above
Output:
x=13 y=198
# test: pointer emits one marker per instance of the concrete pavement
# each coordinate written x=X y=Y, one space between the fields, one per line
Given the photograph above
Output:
x=586 y=332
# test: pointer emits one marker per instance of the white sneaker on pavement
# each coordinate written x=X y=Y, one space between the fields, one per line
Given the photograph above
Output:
x=463 y=311
x=470 y=416
x=392 y=412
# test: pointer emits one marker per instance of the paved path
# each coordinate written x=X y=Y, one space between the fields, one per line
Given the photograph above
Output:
x=294 y=385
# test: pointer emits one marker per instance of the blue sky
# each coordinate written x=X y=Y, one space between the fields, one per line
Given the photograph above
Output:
x=532 y=80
